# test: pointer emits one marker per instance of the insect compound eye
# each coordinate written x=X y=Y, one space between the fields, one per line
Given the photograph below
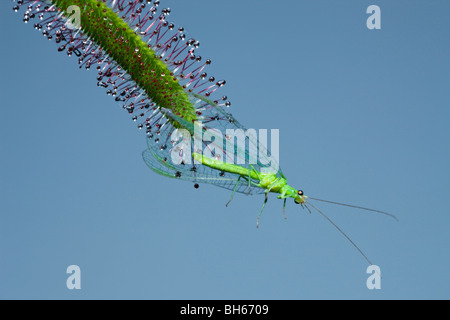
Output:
x=196 y=186
x=300 y=192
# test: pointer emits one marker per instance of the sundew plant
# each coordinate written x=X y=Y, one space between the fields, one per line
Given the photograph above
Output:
x=151 y=68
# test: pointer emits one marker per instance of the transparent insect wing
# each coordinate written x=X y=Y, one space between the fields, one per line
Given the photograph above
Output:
x=167 y=145
x=216 y=119
x=197 y=173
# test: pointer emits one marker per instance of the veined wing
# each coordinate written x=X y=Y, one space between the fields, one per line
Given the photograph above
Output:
x=161 y=164
x=217 y=135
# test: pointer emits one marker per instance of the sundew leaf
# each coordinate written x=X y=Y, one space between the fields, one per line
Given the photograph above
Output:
x=150 y=67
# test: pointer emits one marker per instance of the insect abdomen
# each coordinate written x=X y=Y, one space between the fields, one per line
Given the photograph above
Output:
x=226 y=167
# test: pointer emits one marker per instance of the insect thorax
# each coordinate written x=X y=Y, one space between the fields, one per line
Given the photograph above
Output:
x=272 y=182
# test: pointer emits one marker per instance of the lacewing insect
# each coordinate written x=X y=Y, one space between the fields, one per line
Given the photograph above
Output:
x=150 y=67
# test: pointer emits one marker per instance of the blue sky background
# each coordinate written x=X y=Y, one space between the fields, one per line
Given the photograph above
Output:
x=363 y=116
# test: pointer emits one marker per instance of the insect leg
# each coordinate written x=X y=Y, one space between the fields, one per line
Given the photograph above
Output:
x=234 y=190
x=250 y=181
x=284 y=208
x=265 y=201
x=249 y=176
x=264 y=204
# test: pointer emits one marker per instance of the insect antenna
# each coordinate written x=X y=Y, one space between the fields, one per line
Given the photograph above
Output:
x=357 y=207
x=340 y=230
